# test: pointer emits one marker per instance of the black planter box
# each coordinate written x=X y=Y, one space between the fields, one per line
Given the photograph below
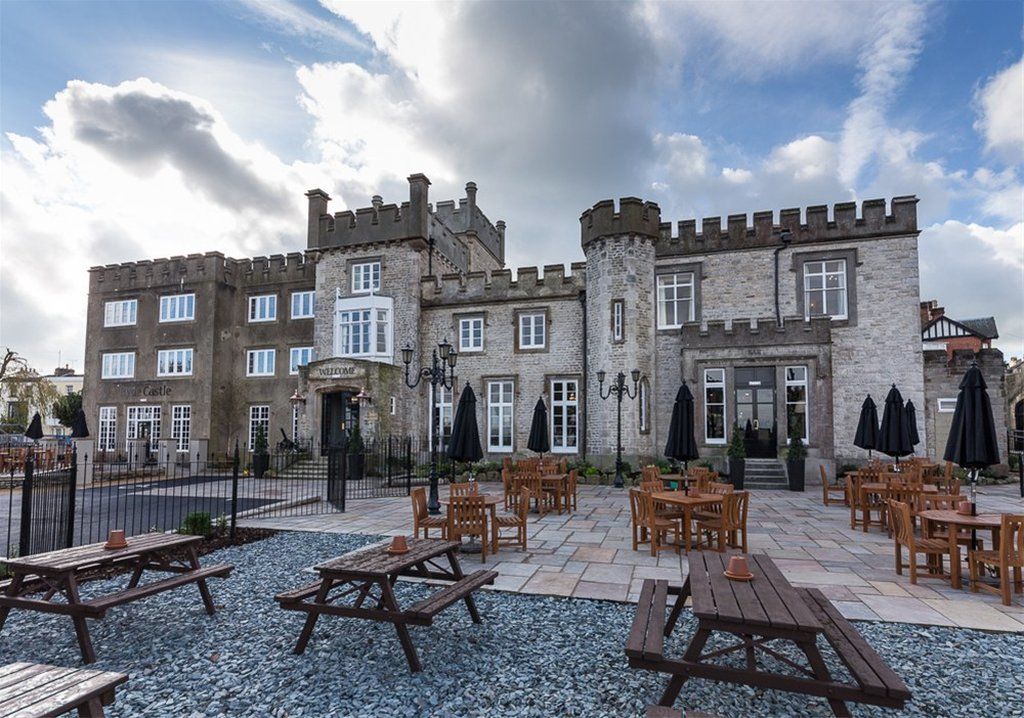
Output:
x=356 y=466
x=260 y=464
x=795 y=469
x=737 y=469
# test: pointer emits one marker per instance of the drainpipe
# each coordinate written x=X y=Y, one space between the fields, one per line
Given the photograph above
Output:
x=785 y=236
x=583 y=384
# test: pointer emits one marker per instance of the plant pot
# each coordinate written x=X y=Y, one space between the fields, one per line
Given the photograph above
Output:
x=260 y=464
x=356 y=467
x=795 y=469
x=737 y=469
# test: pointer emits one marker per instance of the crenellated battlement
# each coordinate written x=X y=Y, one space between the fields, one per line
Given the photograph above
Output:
x=275 y=269
x=634 y=217
x=498 y=285
x=740 y=233
x=193 y=269
x=757 y=331
x=467 y=219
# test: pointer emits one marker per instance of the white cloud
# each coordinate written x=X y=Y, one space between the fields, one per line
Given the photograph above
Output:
x=293 y=20
x=1001 y=113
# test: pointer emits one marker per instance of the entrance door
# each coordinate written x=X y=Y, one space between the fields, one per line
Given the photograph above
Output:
x=340 y=413
x=755 y=410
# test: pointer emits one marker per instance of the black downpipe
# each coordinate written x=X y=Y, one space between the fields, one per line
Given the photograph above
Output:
x=785 y=236
x=583 y=384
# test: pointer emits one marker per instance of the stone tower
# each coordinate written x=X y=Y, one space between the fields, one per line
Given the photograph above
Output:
x=619 y=248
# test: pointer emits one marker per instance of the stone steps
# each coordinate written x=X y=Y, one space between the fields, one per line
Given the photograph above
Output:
x=765 y=474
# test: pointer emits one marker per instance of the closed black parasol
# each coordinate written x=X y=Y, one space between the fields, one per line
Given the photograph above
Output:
x=972 y=436
x=539 y=440
x=681 y=445
x=79 y=429
x=893 y=436
x=910 y=416
x=465 y=442
x=867 y=426
x=35 y=427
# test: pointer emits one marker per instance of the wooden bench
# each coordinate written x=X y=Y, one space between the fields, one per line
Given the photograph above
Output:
x=30 y=690
x=766 y=609
x=429 y=607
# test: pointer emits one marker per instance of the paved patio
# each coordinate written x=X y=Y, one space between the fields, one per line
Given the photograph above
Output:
x=589 y=554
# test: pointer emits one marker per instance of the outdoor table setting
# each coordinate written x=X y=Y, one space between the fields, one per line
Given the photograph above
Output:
x=57 y=573
x=955 y=521
x=688 y=503
x=491 y=501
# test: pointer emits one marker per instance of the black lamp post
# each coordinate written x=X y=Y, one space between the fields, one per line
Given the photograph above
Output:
x=619 y=389
x=441 y=372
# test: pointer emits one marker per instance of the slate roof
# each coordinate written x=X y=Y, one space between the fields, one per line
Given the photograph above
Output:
x=985 y=326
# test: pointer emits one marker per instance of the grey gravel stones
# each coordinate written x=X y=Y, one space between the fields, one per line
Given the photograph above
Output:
x=533 y=656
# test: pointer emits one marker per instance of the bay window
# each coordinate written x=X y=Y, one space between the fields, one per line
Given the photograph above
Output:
x=363 y=327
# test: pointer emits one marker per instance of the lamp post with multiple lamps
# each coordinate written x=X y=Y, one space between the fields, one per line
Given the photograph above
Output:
x=440 y=373
x=619 y=389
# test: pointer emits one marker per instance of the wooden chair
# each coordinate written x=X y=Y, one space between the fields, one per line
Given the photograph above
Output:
x=828 y=489
x=516 y=519
x=650 y=473
x=730 y=526
x=873 y=501
x=639 y=528
x=658 y=528
x=945 y=502
x=903 y=535
x=467 y=517
x=652 y=486
x=1008 y=557
x=506 y=486
x=542 y=498
x=470 y=488
x=714 y=487
x=421 y=518
x=571 y=496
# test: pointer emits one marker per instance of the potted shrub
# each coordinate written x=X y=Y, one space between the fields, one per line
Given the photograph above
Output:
x=260 y=454
x=737 y=453
x=355 y=455
x=796 y=454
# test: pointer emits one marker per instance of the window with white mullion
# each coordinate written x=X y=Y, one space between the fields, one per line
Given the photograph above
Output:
x=299 y=356
x=714 y=406
x=107 y=429
x=263 y=308
x=441 y=416
x=532 y=331
x=118 y=365
x=471 y=334
x=181 y=426
x=500 y=406
x=797 y=403
x=174 y=362
x=618 y=320
x=260 y=362
x=366 y=277
x=564 y=416
x=121 y=313
x=143 y=422
x=675 y=300
x=178 y=308
x=259 y=418
x=303 y=305
x=363 y=327
x=825 y=289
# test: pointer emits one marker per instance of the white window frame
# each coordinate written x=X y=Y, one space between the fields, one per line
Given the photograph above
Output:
x=293 y=365
x=564 y=439
x=817 y=268
x=945 y=406
x=117 y=365
x=181 y=425
x=643 y=396
x=366 y=277
x=139 y=414
x=535 y=320
x=376 y=328
x=805 y=383
x=178 y=308
x=618 y=320
x=174 y=362
x=252 y=362
x=259 y=414
x=121 y=313
x=443 y=406
x=107 y=437
x=497 y=411
x=262 y=308
x=716 y=384
x=305 y=302
x=471 y=334
x=678 y=282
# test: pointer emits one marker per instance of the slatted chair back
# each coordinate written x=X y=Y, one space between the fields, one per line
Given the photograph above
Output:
x=734 y=510
x=650 y=473
x=717 y=488
x=466 y=516
x=947 y=476
x=901 y=523
x=936 y=502
x=570 y=490
x=528 y=465
x=853 y=490
x=644 y=507
x=652 y=486
x=506 y=464
x=953 y=487
x=470 y=488
x=516 y=499
x=506 y=486
x=419 y=504
x=1011 y=541
x=634 y=507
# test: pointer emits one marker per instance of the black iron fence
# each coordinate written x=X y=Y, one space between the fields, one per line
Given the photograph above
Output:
x=80 y=499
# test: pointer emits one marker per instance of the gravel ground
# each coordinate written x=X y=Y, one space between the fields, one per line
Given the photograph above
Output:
x=532 y=656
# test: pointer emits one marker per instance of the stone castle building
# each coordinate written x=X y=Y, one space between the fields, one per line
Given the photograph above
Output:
x=780 y=326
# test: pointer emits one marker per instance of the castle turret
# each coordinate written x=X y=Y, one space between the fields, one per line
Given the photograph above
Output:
x=620 y=252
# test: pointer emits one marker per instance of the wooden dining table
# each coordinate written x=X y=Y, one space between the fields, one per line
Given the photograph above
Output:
x=688 y=504
x=955 y=521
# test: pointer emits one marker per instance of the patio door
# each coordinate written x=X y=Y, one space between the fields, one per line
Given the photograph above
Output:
x=755 y=410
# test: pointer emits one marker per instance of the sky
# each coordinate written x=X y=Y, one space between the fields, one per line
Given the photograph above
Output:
x=150 y=129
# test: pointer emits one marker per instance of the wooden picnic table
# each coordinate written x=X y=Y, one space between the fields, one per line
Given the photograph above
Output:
x=359 y=573
x=688 y=504
x=491 y=501
x=956 y=521
x=767 y=608
x=31 y=690
x=56 y=573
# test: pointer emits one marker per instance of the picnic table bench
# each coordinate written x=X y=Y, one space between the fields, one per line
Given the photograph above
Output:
x=765 y=609
x=56 y=573
x=368 y=575
x=32 y=690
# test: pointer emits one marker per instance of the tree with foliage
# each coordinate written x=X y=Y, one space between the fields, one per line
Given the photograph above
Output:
x=66 y=408
x=22 y=385
x=737 y=449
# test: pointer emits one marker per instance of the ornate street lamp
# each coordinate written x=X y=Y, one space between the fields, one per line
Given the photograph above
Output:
x=440 y=373
x=618 y=389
